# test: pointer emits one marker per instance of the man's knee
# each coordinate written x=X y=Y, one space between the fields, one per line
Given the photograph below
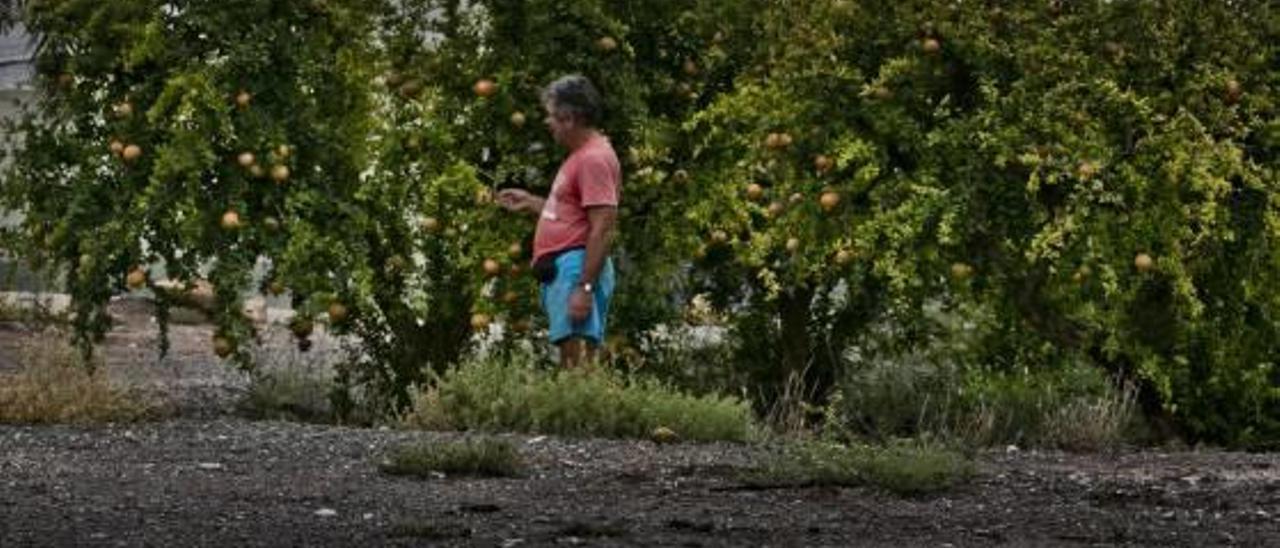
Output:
x=575 y=351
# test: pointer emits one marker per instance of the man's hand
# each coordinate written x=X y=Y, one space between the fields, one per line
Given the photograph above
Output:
x=517 y=200
x=580 y=303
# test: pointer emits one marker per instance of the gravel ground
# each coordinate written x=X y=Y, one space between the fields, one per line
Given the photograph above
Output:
x=209 y=478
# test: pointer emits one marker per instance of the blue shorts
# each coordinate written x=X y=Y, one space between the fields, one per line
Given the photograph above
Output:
x=555 y=299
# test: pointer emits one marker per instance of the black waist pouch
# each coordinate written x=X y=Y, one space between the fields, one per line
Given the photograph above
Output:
x=545 y=268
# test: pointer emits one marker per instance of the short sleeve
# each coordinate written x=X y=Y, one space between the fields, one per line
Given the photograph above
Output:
x=599 y=181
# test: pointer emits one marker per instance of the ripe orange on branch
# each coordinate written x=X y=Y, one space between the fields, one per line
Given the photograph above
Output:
x=961 y=271
x=136 y=278
x=131 y=153
x=823 y=163
x=1232 y=92
x=1143 y=262
x=777 y=141
x=280 y=173
x=775 y=210
x=492 y=268
x=829 y=200
x=485 y=88
x=337 y=312
x=230 y=220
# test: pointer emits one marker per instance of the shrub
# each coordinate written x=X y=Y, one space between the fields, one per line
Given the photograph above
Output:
x=288 y=394
x=1071 y=407
x=513 y=395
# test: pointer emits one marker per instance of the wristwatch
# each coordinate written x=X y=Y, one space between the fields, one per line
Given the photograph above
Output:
x=587 y=287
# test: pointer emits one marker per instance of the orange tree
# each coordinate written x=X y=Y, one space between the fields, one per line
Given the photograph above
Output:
x=485 y=69
x=352 y=148
x=798 y=211
x=193 y=135
x=1088 y=180
x=195 y=139
x=1083 y=180
x=471 y=100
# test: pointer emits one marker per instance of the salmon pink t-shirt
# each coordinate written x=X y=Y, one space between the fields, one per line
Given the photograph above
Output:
x=589 y=177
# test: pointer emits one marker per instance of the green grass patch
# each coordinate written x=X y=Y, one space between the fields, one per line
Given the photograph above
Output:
x=516 y=396
x=904 y=469
x=479 y=457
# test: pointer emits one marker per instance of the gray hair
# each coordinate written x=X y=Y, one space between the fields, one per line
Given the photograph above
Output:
x=575 y=96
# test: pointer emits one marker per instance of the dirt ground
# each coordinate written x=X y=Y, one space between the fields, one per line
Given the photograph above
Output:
x=210 y=478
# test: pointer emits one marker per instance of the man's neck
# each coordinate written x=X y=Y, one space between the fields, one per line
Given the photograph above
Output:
x=580 y=138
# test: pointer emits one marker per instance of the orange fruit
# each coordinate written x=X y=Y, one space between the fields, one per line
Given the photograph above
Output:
x=280 y=173
x=485 y=87
x=1143 y=262
x=230 y=220
x=829 y=200
x=492 y=268
x=337 y=312
x=131 y=153
x=136 y=278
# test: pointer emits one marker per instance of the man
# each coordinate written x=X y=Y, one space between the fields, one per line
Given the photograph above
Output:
x=575 y=222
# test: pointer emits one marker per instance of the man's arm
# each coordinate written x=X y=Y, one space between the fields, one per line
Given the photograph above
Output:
x=602 y=220
x=534 y=205
x=517 y=200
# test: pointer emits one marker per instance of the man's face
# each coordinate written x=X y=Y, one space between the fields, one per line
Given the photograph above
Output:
x=559 y=124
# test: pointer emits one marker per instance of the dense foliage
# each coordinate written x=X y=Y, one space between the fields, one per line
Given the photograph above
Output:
x=1028 y=184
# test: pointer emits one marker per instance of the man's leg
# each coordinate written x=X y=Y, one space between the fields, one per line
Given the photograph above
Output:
x=575 y=352
x=575 y=339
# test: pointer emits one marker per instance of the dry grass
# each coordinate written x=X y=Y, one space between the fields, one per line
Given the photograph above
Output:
x=289 y=385
x=1091 y=424
x=51 y=387
x=792 y=414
